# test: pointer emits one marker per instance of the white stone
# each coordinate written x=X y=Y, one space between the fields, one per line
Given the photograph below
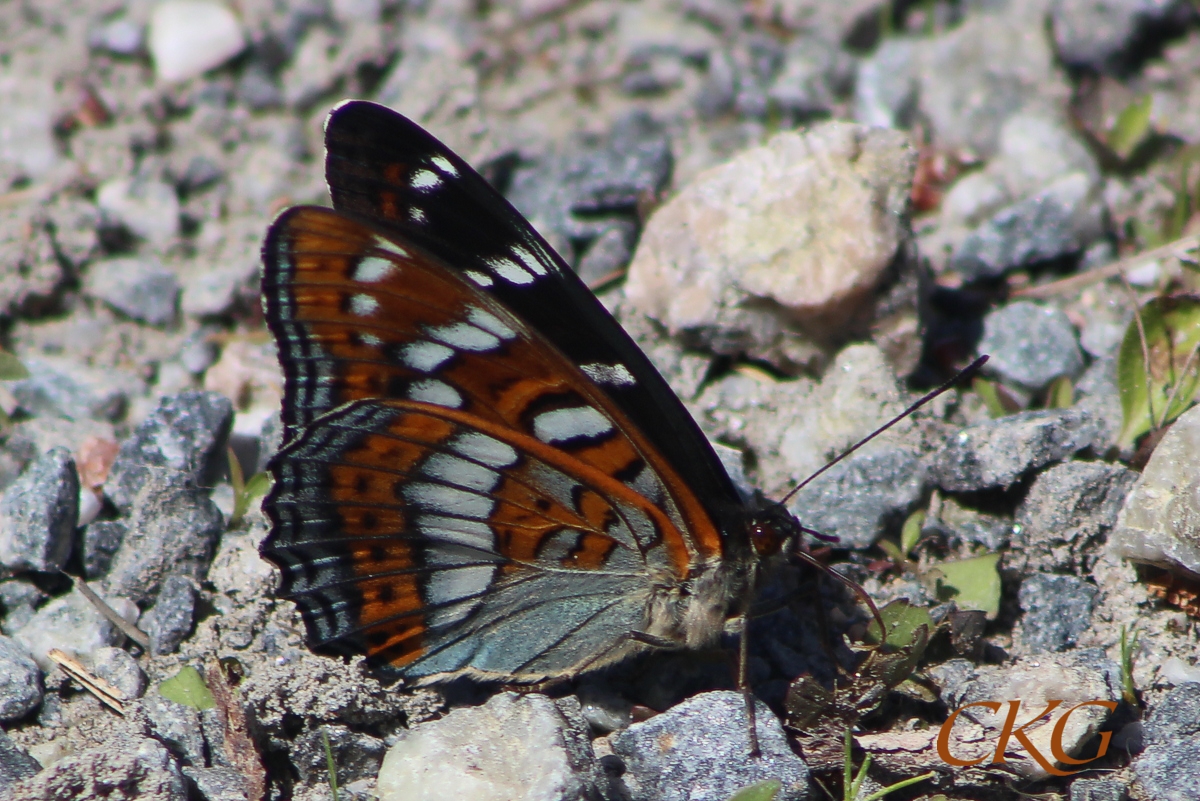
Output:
x=189 y=37
x=26 y=123
x=149 y=209
x=513 y=748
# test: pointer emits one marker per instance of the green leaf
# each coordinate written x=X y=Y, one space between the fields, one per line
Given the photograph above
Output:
x=331 y=765
x=910 y=534
x=1061 y=394
x=1131 y=127
x=187 y=687
x=972 y=583
x=759 y=791
x=902 y=620
x=1172 y=329
x=987 y=392
x=11 y=368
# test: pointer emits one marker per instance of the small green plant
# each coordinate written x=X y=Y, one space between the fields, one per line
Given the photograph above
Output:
x=331 y=766
x=852 y=784
x=990 y=395
x=759 y=791
x=1158 y=372
x=244 y=492
x=187 y=687
x=1128 y=646
x=1131 y=127
x=971 y=583
x=1061 y=394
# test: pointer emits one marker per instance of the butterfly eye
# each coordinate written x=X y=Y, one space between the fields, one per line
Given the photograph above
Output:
x=766 y=538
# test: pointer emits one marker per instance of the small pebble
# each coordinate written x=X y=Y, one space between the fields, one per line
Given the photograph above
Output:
x=118 y=667
x=20 y=681
x=15 y=763
x=189 y=37
x=138 y=288
x=38 y=513
x=149 y=209
x=1058 y=610
x=169 y=621
x=72 y=624
x=1030 y=345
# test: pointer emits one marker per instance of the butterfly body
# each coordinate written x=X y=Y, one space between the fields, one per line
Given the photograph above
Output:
x=482 y=474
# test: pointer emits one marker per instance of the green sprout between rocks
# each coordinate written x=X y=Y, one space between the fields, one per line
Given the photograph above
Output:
x=1128 y=645
x=759 y=791
x=187 y=687
x=1158 y=372
x=331 y=766
x=851 y=783
x=244 y=492
x=11 y=369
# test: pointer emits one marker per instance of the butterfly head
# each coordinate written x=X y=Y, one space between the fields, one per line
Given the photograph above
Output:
x=773 y=530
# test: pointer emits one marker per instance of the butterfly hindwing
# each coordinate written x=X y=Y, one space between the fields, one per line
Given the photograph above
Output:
x=449 y=472
x=386 y=169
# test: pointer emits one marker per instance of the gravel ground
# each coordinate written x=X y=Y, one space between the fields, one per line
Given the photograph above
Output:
x=806 y=213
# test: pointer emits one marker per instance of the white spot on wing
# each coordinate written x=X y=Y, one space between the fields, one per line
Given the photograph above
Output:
x=362 y=305
x=450 y=584
x=616 y=375
x=528 y=260
x=564 y=424
x=490 y=323
x=425 y=179
x=482 y=279
x=471 y=533
x=464 y=336
x=390 y=246
x=443 y=164
x=372 y=269
x=510 y=271
x=483 y=448
x=448 y=500
x=460 y=472
x=417 y=215
x=425 y=356
x=370 y=339
x=439 y=393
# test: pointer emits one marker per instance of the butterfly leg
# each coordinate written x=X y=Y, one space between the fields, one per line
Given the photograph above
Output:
x=743 y=683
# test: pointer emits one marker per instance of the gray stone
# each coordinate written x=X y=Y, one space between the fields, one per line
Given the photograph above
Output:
x=859 y=499
x=1105 y=35
x=169 y=621
x=185 y=434
x=20 y=681
x=1167 y=771
x=173 y=528
x=178 y=726
x=1157 y=524
x=1069 y=512
x=217 y=784
x=38 y=513
x=885 y=92
x=609 y=253
x=1058 y=609
x=511 y=747
x=1058 y=221
x=1098 y=790
x=998 y=452
x=136 y=287
x=991 y=531
x=15 y=763
x=141 y=767
x=72 y=624
x=1030 y=345
x=27 y=145
x=62 y=388
x=699 y=751
x=147 y=208
x=1097 y=394
x=19 y=598
x=1176 y=716
x=357 y=755
x=101 y=541
x=118 y=35
x=814 y=73
x=118 y=667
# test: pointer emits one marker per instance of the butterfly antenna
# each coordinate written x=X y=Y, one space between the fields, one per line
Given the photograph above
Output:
x=966 y=372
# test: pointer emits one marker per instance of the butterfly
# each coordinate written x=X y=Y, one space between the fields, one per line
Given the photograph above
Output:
x=481 y=472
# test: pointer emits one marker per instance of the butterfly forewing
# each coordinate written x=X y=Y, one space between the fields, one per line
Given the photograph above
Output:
x=385 y=168
x=449 y=469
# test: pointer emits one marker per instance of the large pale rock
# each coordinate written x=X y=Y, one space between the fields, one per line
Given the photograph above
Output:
x=1160 y=522
x=783 y=245
x=190 y=37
